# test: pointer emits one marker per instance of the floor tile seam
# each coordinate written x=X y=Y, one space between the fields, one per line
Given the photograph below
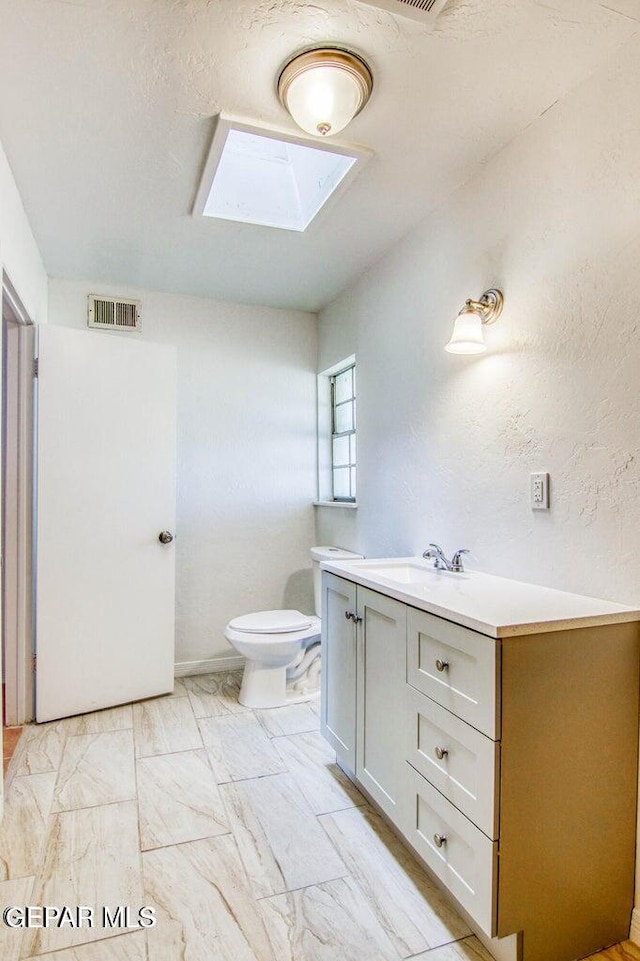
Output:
x=85 y=806
x=23 y=777
x=107 y=730
x=91 y=807
x=182 y=750
x=110 y=730
x=341 y=810
x=179 y=844
x=303 y=887
x=279 y=737
x=79 y=944
x=143 y=882
x=193 y=750
x=225 y=717
x=437 y=947
x=19 y=877
x=188 y=750
x=253 y=777
x=227 y=713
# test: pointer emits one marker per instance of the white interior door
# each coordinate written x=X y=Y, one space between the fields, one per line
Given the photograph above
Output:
x=105 y=609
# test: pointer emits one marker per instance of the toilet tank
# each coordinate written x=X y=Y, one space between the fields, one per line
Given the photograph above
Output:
x=319 y=554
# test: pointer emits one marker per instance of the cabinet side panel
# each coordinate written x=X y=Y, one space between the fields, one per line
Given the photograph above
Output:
x=338 y=705
x=568 y=789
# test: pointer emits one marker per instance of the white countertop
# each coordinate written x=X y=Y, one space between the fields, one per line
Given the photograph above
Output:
x=496 y=606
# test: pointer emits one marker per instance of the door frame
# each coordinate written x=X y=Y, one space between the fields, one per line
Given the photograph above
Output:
x=18 y=350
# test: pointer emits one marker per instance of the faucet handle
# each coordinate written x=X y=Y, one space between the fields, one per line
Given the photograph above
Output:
x=456 y=560
x=435 y=553
x=432 y=550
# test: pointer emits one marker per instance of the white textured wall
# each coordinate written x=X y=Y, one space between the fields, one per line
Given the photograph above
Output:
x=246 y=454
x=446 y=443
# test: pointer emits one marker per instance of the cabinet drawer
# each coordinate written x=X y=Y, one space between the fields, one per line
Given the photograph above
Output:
x=459 y=761
x=465 y=860
x=456 y=667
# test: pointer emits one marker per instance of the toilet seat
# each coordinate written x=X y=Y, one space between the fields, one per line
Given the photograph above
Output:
x=276 y=640
x=271 y=622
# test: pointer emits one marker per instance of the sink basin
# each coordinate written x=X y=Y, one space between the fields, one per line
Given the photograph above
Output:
x=402 y=572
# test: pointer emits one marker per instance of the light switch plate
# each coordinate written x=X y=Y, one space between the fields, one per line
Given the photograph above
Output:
x=540 y=492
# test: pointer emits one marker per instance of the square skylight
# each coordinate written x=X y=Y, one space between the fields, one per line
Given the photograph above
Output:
x=275 y=180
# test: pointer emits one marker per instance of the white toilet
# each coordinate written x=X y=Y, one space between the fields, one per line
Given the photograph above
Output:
x=282 y=648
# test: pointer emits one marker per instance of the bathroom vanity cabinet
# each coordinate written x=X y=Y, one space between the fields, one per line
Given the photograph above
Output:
x=508 y=762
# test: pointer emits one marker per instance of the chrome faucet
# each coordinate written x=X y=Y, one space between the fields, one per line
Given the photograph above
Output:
x=440 y=562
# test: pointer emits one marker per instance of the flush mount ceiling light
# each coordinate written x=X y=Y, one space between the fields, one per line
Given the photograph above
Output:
x=324 y=89
x=468 y=336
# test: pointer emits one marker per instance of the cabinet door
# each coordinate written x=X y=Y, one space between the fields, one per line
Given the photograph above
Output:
x=338 y=707
x=381 y=686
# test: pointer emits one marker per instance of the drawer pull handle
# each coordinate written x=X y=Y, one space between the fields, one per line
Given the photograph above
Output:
x=349 y=615
x=441 y=752
x=442 y=665
x=440 y=839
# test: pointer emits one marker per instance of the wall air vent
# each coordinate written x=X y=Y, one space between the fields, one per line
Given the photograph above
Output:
x=114 y=313
x=424 y=11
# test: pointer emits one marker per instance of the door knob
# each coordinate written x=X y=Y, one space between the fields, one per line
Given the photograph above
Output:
x=165 y=537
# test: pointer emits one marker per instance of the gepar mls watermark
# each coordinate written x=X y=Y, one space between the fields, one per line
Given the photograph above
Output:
x=77 y=916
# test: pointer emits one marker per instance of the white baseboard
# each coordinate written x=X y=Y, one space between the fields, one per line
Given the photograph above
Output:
x=634 y=933
x=225 y=662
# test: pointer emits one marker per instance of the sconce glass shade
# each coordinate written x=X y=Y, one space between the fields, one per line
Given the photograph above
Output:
x=467 y=336
x=324 y=89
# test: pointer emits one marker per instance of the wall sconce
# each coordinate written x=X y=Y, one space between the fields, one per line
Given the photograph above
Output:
x=324 y=89
x=468 y=336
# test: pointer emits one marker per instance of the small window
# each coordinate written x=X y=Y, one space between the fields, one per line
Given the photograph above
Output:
x=343 y=434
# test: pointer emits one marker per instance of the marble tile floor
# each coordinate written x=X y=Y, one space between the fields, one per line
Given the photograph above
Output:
x=235 y=826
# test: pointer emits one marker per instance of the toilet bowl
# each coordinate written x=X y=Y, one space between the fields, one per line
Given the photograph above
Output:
x=282 y=648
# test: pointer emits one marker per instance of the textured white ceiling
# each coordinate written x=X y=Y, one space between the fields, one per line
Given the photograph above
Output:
x=107 y=107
